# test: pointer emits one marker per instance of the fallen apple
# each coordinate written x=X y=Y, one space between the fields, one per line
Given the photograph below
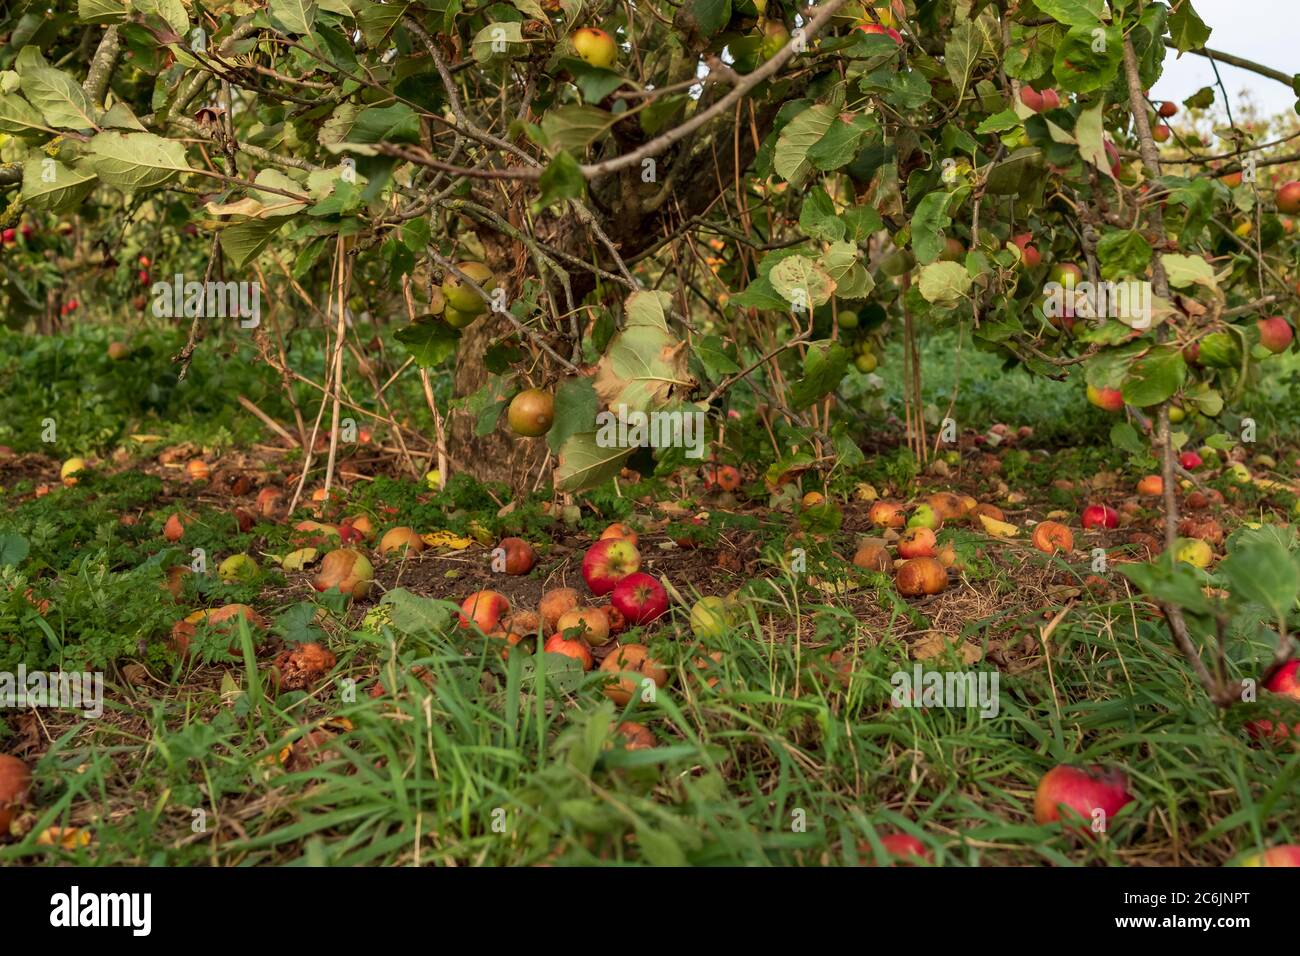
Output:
x=1285 y=855
x=554 y=604
x=632 y=665
x=1194 y=551
x=237 y=569
x=589 y=623
x=71 y=469
x=519 y=554
x=1099 y=516
x=15 y=786
x=607 y=562
x=1090 y=796
x=710 y=618
x=1052 y=536
x=917 y=542
x=924 y=516
x=920 y=576
x=872 y=555
x=573 y=647
x=634 y=736
x=620 y=530
x=484 y=609
x=1151 y=486
x=886 y=514
x=197 y=470
x=639 y=598
x=345 y=570
x=1190 y=460
x=402 y=539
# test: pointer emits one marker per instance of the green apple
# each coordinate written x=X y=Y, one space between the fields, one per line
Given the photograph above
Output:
x=1194 y=551
x=710 y=618
x=848 y=319
x=237 y=569
x=924 y=516
x=866 y=362
x=461 y=297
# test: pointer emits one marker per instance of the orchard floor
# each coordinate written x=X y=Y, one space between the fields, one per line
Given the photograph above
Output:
x=775 y=739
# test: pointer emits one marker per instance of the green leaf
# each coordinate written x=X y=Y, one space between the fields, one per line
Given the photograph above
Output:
x=499 y=41
x=961 y=53
x=702 y=18
x=377 y=20
x=1123 y=253
x=1169 y=582
x=18 y=116
x=132 y=161
x=711 y=350
x=575 y=127
x=1085 y=62
x=295 y=17
x=1261 y=570
x=1183 y=271
x=101 y=11
x=575 y=411
x=397 y=123
x=13 y=549
x=1125 y=437
x=928 y=224
x=843 y=264
x=802 y=282
x=48 y=184
x=429 y=339
x=561 y=180
x=1075 y=13
x=791 y=160
x=1155 y=377
x=583 y=463
x=817 y=218
x=416 y=615
x=1186 y=28
x=999 y=122
x=245 y=239
x=944 y=283
x=824 y=366
x=841 y=143
x=58 y=98
x=171 y=12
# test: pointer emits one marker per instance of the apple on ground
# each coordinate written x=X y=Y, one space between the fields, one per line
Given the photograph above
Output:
x=1285 y=855
x=237 y=569
x=921 y=576
x=607 y=562
x=401 y=538
x=1195 y=552
x=1100 y=516
x=1151 y=486
x=555 y=604
x=346 y=570
x=519 y=554
x=589 y=623
x=639 y=598
x=484 y=609
x=924 y=516
x=710 y=618
x=1088 y=796
x=620 y=530
x=886 y=514
x=71 y=468
x=15 y=786
x=872 y=555
x=631 y=664
x=901 y=848
x=917 y=542
x=559 y=643
x=1190 y=460
x=1052 y=536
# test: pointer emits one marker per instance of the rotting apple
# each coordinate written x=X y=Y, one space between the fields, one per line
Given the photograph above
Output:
x=632 y=665
x=197 y=470
x=15 y=786
x=269 y=501
x=917 y=542
x=921 y=576
x=886 y=514
x=639 y=598
x=402 y=539
x=947 y=505
x=634 y=736
x=1052 y=536
x=607 y=562
x=872 y=555
x=346 y=570
x=554 y=604
x=1090 y=795
x=589 y=623
x=174 y=528
x=485 y=610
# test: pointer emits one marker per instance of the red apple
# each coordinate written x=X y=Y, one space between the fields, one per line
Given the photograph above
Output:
x=520 y=556
x=886 y=514
x=920 y=576
x=631 y=664
x=1029 y=256
x=15 y=784
x=1275 y=333
x=484 y=609
x=875 y=28
x=1108 y=399
x=917 y=542
x=903 y=847
x=639 y=598
x=573 y=647
x=619 y=530
x=1082 y=791
x=607 y=562
x=1100 y=516
x=1167 y=109
x=1286 y=855
x=1190 y=460
x=1161 y=133
x=1288 y=198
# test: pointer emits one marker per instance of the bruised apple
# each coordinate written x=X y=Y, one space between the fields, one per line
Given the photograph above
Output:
x=345 y=570
x=15 y=785
x=402 y=539
x=590 y=623
x=921 y=576
x=1052 y=536
x=886 y=514
x=917 y=542
x=555 y=604
x=631 y=664
x=872 y=555
x=484 y=609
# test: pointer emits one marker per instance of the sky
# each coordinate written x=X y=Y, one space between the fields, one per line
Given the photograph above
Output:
x=1264 y=31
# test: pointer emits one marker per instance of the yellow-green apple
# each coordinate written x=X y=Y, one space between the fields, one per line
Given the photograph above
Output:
x=346 y=570
x=71 y=468
x=236 y=569
x=596 y=47
x=709 y=617
x=1090 y=795
x=1195 y=552
x=460 y=296
x=639 y=598
x=607 y=562
x=531 y=412
x=924 y=516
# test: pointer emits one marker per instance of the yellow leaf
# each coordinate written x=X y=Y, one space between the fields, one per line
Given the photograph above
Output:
x=445 y=539
x=999 y=529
